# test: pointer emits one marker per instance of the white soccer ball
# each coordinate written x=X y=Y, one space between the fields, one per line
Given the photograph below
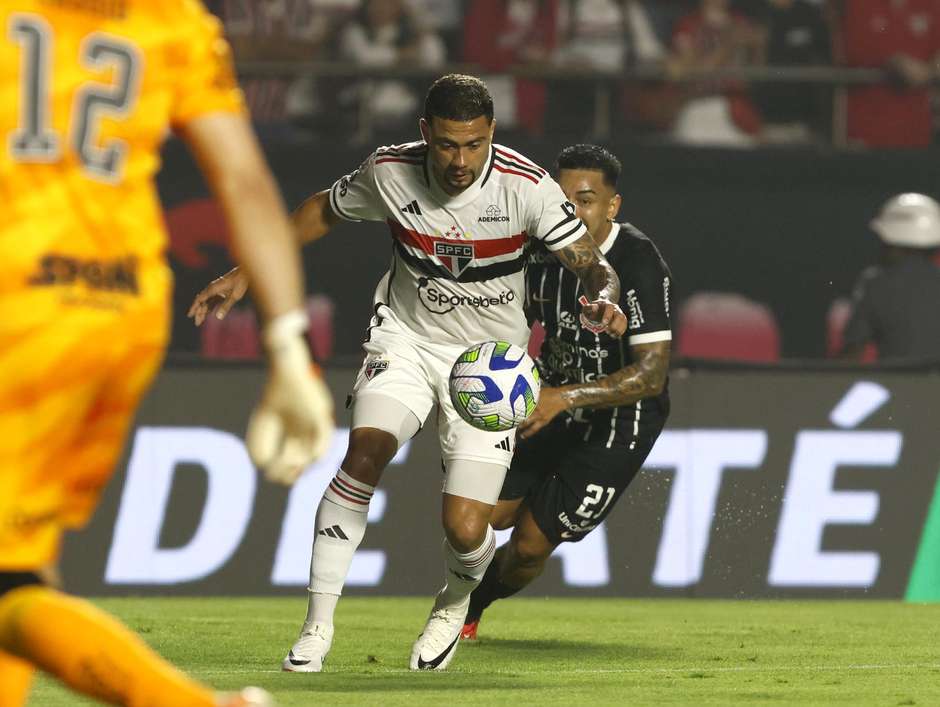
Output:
x=494 y=385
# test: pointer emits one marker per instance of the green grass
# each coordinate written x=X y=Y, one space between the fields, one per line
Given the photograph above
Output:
x=561 y=651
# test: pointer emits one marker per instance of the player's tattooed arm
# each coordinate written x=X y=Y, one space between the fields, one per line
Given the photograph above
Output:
x=644 y=378
x=585 y=260
x=600 y=311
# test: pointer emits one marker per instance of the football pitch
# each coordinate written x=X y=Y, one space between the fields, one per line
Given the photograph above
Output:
x=560 y=651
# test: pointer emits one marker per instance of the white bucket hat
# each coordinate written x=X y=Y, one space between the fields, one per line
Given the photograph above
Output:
x=910 y=220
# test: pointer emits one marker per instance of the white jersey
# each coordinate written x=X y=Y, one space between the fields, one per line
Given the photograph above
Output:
x=457 y=261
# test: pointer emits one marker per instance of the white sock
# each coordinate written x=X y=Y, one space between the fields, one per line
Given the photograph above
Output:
x=320 y=608
x=341 y=524
x=463 y=571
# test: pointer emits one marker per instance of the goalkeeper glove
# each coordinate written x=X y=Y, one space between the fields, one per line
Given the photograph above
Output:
x=293 y=424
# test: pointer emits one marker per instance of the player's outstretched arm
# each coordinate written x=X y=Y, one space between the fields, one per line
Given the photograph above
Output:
x=262 y=238
x=600 y=281
x=644 y=378
x=313 y=219
x=293 y=424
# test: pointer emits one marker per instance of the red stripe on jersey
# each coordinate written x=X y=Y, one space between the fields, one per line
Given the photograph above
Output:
x=481 y=248
x=518 y=174
x=399 y=159
x=520 y=160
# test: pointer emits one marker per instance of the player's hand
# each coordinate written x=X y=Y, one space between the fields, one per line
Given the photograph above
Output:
x=602 y=315
x=549 y=406
x=293 y=424
x=221 y=295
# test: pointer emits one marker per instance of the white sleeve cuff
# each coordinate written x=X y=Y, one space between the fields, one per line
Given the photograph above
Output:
x=337 y=209
x=650 y=338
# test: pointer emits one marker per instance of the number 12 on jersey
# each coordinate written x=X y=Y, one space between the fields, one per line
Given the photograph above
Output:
x=35 y=140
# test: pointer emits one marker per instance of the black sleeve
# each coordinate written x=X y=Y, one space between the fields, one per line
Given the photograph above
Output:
x=645 y=298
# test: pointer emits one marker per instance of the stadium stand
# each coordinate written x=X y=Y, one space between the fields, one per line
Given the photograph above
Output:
x=727 y=326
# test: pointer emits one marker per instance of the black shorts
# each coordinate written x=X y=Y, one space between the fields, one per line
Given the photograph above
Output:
x=14 y=580
x=571 y=485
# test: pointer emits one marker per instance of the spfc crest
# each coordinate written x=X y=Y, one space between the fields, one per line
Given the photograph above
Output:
x=374 y=368
x=454 y=256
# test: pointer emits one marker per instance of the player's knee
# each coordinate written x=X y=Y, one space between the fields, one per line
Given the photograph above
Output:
x=530 y=556
x=529 y=552
x=368 y=454
x=465 y=533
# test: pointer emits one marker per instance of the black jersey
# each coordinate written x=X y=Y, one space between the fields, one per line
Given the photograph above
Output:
x=572 y=354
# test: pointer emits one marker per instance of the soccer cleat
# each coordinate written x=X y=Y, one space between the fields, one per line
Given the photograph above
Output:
x=437 y=644
x=469 y=630
x=249 y=697
x=309 y=652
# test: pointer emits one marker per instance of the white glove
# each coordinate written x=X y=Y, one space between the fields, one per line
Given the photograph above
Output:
x=293 y=424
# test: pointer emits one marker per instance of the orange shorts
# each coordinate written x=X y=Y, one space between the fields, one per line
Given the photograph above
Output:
x=69 y=389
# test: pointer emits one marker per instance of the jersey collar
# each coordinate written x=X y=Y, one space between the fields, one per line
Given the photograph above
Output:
x=611 y=237
x=464 y=197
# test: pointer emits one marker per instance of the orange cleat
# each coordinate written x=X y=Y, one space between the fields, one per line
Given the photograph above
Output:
x=469 y=632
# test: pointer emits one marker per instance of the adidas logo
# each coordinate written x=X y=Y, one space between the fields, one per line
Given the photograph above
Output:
x=412 y=208
x=334 y=532
x=504 y=445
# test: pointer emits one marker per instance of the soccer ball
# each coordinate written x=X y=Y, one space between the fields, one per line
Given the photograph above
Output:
x=494 y=385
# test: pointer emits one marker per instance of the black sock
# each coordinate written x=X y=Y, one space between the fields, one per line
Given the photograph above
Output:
x=489 y=590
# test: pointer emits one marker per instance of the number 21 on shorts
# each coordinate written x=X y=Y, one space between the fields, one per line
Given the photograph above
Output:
x=594 y=496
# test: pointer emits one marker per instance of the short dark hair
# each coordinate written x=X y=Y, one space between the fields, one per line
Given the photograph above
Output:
x=458 y=97
x=591 y=157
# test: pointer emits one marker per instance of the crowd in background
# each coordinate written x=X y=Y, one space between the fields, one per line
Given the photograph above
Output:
x=570 y=47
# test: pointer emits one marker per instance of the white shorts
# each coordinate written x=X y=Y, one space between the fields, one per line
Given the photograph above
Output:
x=415 y=373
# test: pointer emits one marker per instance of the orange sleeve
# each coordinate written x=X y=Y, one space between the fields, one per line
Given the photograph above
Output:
x=204 y=80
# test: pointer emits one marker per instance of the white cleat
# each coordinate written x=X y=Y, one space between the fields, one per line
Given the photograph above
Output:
x=309 y=652
x=249 y=697
x=437 y=644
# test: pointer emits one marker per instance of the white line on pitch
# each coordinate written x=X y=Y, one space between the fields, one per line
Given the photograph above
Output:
x=598 y=671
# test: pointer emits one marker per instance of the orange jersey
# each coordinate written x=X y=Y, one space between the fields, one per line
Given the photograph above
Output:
x=88 y=91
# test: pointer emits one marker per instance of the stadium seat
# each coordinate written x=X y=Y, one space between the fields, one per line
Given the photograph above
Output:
x=234 y=338
x=727 y=326
x=237 y=338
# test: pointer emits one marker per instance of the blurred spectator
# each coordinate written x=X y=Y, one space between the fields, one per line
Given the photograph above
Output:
x=603 y=36
x=904 y=37
x=277 y=30
x=386 y=33
x=796 y=35
x=445 y=18
x=663 y=15
x=502 y=33
x=719 y=112
x=606 y=35
x=895 y=305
